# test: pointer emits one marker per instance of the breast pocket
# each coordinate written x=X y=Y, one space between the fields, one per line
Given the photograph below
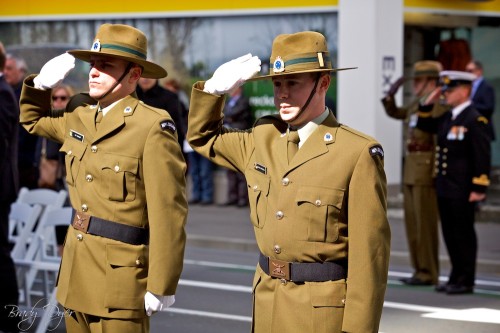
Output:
x=120 y=177
x=320 y=207
x=258 y=191
x=74 y=151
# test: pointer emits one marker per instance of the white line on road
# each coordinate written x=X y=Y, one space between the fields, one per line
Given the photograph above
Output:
x=209 y=314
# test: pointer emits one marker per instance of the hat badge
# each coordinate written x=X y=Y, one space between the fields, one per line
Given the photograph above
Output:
x=279 y=65
x=96 y=46
x=446 y=80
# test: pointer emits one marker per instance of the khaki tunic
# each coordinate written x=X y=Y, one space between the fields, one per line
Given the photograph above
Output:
x=329 y=204
x=131 y=171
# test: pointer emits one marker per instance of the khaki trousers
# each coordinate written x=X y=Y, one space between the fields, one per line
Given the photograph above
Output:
x=79 y=322
x=421 y=220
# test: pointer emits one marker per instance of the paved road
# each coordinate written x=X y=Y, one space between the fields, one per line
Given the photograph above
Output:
x=214 y=294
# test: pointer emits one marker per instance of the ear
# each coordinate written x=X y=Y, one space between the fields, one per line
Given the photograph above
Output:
x=324 y=81
x=135 y=73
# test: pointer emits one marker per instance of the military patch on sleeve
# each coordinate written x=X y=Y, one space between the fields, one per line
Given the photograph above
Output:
x=377 y=150
x=168 y=125
x=482 y=119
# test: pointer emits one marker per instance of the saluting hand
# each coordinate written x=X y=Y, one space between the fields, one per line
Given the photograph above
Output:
x=395 y=87
x=232 y=74
x=54 y=71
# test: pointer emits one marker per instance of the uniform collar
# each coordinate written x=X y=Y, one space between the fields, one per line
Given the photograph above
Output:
x=459 y=108
x=306 y=130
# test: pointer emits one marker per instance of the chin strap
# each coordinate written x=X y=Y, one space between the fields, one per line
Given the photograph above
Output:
x=127 y=69
x=313 y=91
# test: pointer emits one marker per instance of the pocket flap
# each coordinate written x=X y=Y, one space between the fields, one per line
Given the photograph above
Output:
x=320 y=196
x=124 y=255
x=259 y=183
x=328 y=294
x=119 y=163
x=73 y=147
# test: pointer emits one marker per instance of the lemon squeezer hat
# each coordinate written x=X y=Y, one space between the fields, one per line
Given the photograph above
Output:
x=122 y=42
x=301 y=52
x=426 y=69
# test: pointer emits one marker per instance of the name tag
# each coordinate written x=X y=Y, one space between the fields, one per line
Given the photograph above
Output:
x=260 y=168
x=76 y=135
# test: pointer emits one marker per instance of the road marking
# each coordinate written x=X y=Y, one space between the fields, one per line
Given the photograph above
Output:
x=479 y=315
x=209 y=314
x=214 y=285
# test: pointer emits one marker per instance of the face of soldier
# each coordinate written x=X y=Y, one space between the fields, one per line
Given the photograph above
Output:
x=422 y=86
x=104 y=73
x=291 y=93
x=456 y=95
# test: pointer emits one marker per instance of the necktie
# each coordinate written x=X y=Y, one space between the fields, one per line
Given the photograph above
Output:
x=98 y=118
x=293 y=144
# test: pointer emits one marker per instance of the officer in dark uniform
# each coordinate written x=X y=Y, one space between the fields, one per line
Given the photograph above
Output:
x=125 y=172
x=317 y=193
x=462 y=166
x=419 y=195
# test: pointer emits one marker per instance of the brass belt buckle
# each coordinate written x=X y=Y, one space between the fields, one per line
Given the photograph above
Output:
x=279 y=269
x=81 y=221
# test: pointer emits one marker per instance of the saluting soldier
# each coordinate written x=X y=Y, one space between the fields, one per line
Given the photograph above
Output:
x=318 y=207
x=419 y=194
x=462 y=167
x=124 y=250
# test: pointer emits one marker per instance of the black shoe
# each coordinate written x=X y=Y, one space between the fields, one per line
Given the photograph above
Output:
x=413 y=281
x=457 y=289
x=441 y=288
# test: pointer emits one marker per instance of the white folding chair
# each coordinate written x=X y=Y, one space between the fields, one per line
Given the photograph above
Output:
x=42 y=196
x=42 y=256
x=22 y=220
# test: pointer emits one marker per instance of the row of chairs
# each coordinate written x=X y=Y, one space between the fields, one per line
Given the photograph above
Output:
x=33 y=219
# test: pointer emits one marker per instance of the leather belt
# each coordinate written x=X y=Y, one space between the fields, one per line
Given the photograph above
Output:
x=415 y=147
x=109 y=229
x=302 y=271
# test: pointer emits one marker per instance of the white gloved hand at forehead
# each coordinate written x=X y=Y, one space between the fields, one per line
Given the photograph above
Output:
x=232 y=74
x=54 y=71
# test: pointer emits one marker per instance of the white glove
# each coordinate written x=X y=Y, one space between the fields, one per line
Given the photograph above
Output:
x=54 y=71
x=155 y=303
x=232 y=74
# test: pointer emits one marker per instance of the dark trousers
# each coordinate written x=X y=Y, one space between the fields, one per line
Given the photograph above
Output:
x=237 y=192
x=457 y=223
x=9 y=293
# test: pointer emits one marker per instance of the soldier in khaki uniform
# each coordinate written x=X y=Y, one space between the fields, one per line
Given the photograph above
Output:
x=420 y=203
x=123 y=252
x=318 y=208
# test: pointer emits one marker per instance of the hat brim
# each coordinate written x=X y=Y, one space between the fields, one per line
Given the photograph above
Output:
x=150 y=69
x=270 y=76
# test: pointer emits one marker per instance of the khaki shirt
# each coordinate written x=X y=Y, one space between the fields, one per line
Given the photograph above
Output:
x=129 y=170
x=328 y=204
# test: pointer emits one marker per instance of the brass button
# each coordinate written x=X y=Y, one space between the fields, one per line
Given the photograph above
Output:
x=445 y=157
x=255 y=188
x=89 y=178
x=93 y=149
x=436 y=163
x=117 y=168
x=443 y=172
x=283 y=282
x=343 y=301
x=277 y=249
x=279 y=214
x=445 y=150
x=445 y=165
x=70 y=152
x=79 y=237
x=285 y=181
x=318 y=202
x=85 y=208
x=137 y=262
x=438 y=148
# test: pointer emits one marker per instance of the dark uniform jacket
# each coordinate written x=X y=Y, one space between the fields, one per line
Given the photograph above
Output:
x=484 y=102
x=329 y=204
x=9 y=115
x=463 y=154
x=419 y=144
x=129 y=170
